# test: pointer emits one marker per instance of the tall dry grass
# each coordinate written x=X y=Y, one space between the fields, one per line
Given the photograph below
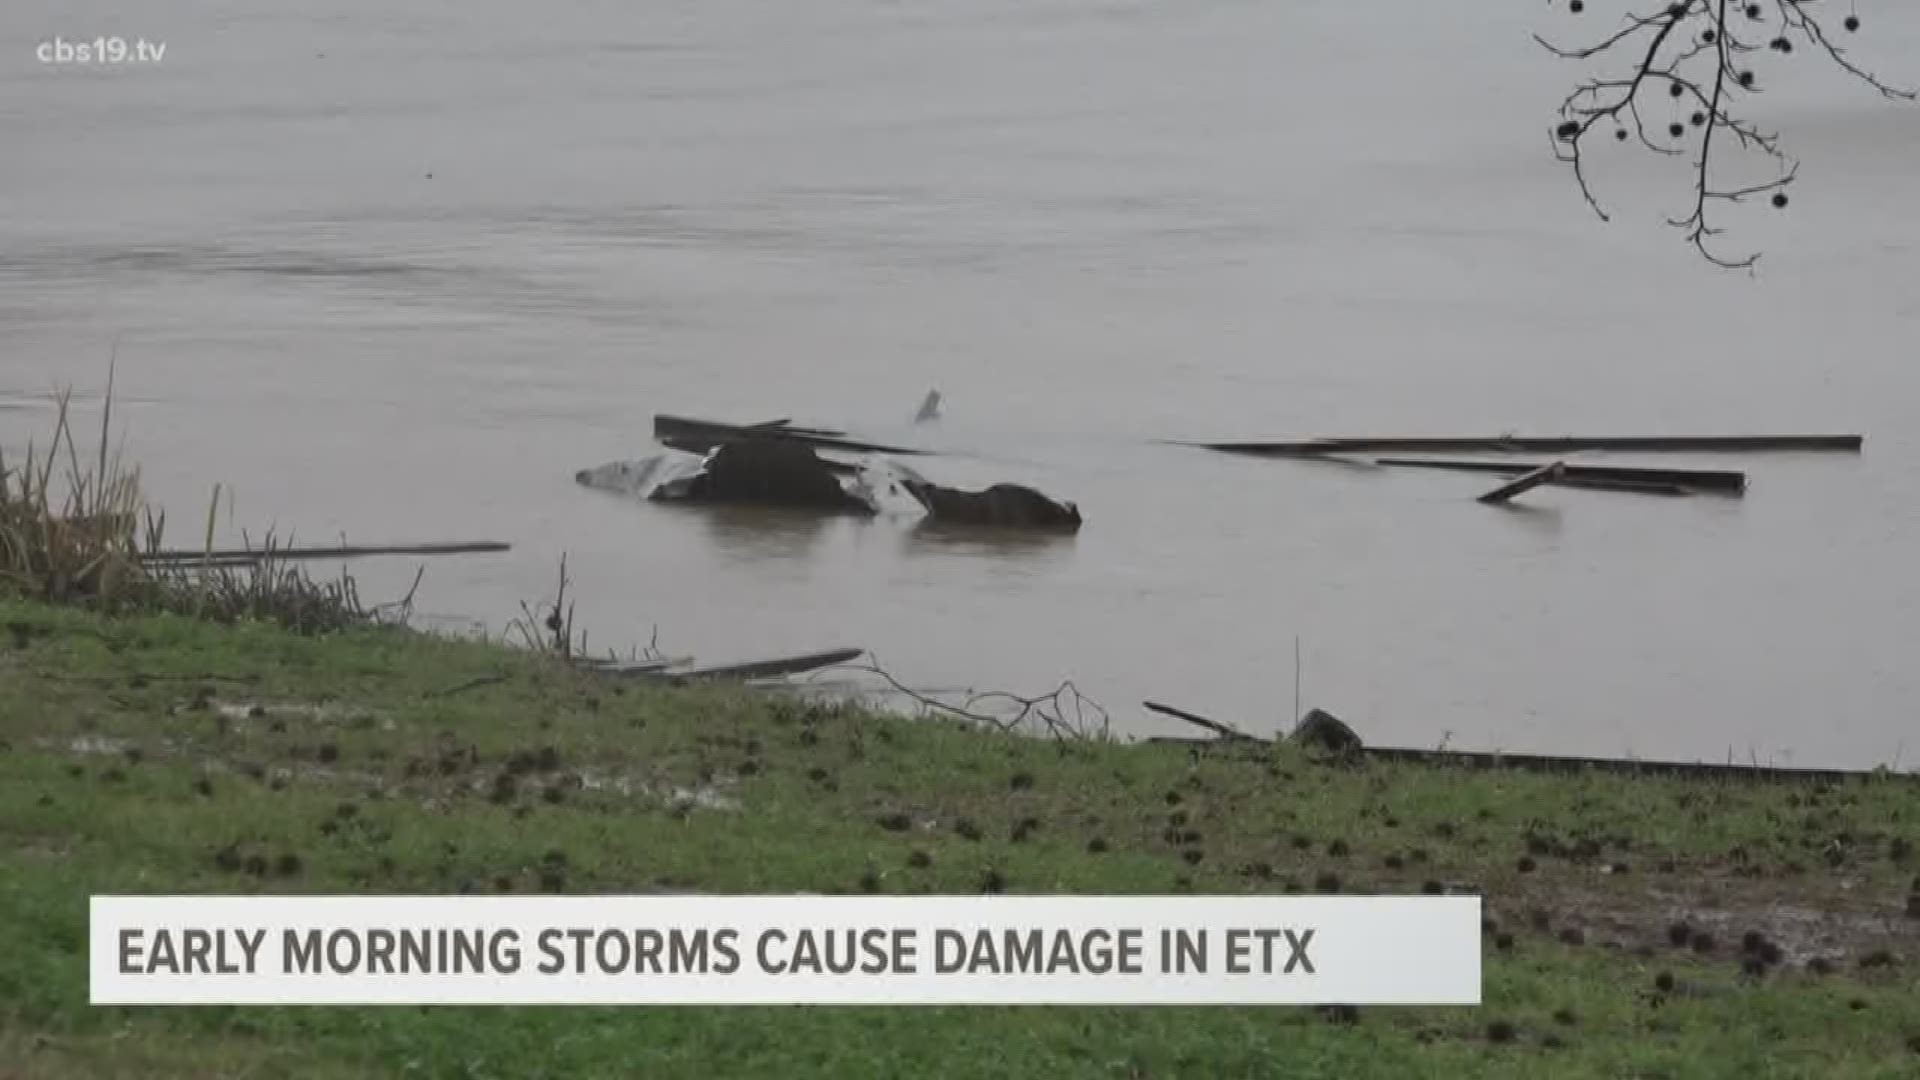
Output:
x=75 y=529
x=69 y=525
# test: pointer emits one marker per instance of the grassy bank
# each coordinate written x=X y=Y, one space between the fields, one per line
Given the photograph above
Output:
x=1638 y=926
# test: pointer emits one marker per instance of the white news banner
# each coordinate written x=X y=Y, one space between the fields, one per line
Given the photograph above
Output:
x=755 y=950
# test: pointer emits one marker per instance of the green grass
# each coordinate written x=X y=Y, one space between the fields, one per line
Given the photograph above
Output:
x=132 y=759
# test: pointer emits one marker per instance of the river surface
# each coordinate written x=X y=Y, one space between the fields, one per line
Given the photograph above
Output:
x=396 y=269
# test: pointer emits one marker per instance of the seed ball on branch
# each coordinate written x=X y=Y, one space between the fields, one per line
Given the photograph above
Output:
x=1676 y=130
x=1621 y=134
x=1779 y=200
x=1708 y=35
x=1576 y=6
x=1746 y=78
x=1780 y=45
x=1852 y=23
x=1697 y=119
x=1568 y=129
x=1753 y=11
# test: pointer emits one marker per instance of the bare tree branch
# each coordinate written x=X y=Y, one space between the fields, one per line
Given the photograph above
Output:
x=1064 y=713
x=1694 y=49
x=1793 y=15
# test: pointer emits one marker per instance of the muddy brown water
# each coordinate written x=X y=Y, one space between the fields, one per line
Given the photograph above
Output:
x=397 y=271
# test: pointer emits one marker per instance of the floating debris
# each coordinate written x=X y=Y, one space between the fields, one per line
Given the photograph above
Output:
x=1542 y=444
x=1732 y=483
x=1007 y=506
x=700 y=436
x=766 y=474
x=1520 y=485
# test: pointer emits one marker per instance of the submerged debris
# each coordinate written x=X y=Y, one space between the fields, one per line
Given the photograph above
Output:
x=700 y=436
x=636 y=478
x=1629 y=477
x=1526 y=482
x=1544 y=444
x=1012 y=506
x=767 y=473
x=1633 y=479
x=929 y=409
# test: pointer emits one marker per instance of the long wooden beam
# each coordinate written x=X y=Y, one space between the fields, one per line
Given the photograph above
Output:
x=237 y=555
x=1702 y=479
x=699 y=436
x=1542 y=444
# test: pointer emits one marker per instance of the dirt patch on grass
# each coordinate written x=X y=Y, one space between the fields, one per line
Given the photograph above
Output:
x=241 y=713
x=1761 y=925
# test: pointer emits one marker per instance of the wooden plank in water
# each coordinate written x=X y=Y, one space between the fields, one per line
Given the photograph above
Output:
x=1552 y=763
x=695 y=446
x=1696 y=770
x=706 y=434
x=232 y=562
x=336 y=552
x=1522 y=484
x=1543 y=444
x=786 y=425
x=635 y=667
x=1720 y=480
x=699 y=436
x=763 y=669
x=1631 y=487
